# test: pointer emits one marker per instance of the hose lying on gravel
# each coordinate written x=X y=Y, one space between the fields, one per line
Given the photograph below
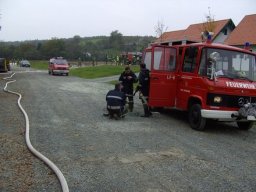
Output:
x=56 y=170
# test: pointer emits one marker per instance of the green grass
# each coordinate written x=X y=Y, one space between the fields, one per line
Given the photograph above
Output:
x=113 y=82
x=99 y=71
x=89 y=72
x=39 y=64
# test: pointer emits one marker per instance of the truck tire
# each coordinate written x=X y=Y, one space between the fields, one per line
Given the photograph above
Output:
x=245 y=125
x=196 y=121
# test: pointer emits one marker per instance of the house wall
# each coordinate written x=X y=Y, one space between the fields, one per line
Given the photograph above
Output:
x=221 y=37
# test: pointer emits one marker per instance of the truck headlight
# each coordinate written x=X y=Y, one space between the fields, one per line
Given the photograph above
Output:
x=217 y=99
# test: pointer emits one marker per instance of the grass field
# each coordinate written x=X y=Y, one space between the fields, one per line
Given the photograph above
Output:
x=39 y=64
x=89 y=72
x=99 y=71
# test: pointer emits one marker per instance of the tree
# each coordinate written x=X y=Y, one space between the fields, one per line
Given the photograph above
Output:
x=160 y=28
x=76 y=47
x=73 y=48
x=116 y=40
x=7 y=51
x=54 y=48
x=208 y=27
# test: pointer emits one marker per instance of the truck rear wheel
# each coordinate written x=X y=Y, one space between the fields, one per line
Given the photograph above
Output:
x=245 y=125
x=195 y=119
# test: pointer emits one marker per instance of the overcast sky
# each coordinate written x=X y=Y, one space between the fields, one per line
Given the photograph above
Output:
x=44 y=19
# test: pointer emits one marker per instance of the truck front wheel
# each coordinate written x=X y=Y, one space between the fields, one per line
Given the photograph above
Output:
x=195 y=119
x=245 y=125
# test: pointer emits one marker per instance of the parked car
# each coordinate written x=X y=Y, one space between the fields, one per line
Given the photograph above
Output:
x=24 y=63
x=58 y=65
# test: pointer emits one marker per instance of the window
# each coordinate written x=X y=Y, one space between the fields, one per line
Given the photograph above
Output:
x=164 y=59
x=61 y=61
x=147 y=59
x=225 y=31
x=189 y=63
x=157 y=57
x=228 y=64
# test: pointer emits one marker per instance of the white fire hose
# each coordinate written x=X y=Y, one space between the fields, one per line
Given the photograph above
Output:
x=56 y=170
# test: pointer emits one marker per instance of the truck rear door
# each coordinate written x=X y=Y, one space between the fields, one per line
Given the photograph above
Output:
x=163 y=76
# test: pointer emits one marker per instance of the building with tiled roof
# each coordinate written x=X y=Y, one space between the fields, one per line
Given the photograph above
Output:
x=171 y=35
x=193 y=34
x=244 y=32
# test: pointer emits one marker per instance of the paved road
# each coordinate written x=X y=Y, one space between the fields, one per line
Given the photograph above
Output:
x=94 y=153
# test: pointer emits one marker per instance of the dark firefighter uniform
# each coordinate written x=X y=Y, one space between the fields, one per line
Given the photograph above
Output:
x=116 y=102
x=143 y=87
x=128 y=78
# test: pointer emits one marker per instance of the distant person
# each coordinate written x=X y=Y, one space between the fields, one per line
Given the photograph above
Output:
x=143 y=87
x=127 y=78
x=116 y=102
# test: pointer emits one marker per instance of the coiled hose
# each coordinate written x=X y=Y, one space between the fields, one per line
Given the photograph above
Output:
x=55 y=169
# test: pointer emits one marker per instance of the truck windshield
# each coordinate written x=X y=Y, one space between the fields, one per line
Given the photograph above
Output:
x=227 y=63
x=61 y=62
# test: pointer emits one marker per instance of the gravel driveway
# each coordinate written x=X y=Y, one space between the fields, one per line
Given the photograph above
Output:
x=95 y=153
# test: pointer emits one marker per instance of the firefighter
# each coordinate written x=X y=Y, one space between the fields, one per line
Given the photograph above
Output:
x=116 y=102
x=143 y=87
x=127 y=78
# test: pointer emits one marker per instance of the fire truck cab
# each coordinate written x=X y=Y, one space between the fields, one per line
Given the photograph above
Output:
x=210 y=81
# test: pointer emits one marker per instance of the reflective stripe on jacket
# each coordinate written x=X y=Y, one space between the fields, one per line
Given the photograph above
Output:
x=115 y=98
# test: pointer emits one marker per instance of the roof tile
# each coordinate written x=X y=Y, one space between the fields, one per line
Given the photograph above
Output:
x=192 y=33
x=244 y=32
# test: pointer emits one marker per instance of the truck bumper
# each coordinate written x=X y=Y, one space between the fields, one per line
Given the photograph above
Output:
x=223 y=115
x=61 y=71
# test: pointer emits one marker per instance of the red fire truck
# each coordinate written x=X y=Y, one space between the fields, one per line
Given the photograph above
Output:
x=210 y=81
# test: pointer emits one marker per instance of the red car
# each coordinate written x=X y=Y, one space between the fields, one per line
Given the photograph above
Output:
x=58 y=65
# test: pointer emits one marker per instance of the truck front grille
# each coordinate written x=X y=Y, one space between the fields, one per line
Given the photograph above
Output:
x=229 y=100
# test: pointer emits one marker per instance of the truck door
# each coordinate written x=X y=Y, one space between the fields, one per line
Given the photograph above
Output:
x=162 y=92
x=187 y=84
